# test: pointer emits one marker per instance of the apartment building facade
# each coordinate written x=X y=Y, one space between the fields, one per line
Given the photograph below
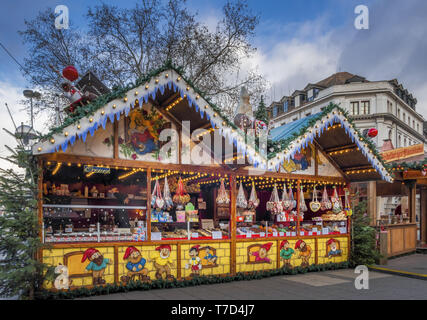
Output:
x=385 y=105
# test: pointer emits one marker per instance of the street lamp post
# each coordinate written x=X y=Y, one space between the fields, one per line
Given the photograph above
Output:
x=31 y=94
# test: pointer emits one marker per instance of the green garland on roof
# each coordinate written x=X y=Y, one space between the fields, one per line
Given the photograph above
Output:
x=420 y=165
x=199 y=280
x=90 y=109
x=279 y=146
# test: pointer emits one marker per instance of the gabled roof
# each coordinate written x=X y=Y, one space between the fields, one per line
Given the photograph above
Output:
x=335 y=79
x=167 y=80
x=287 y=140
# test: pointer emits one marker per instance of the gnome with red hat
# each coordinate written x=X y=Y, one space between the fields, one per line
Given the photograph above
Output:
x=163 y=262
x=195 y=262
x=332 y=250
x=286 y=253
x=135 y=266
x=261 y=254
x=97 y=264
x=304 y=253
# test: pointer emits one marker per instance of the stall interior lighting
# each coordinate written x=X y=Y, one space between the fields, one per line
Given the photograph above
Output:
x=173 y=104
x=58 y=166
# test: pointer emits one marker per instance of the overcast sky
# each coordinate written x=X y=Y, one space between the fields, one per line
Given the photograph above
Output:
x=298 y=42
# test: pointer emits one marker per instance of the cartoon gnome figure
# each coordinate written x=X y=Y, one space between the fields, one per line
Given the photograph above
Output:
x=97 y=264
x=163 y=262
x=286 y=253
x=333 y=248
x=194 y=262
x=135 y=265
x=62 y=281
x=304 y=253
x=261 y=254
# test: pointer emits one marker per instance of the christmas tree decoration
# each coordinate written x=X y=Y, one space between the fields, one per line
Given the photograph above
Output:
x=253 y=201
x=347 y=208
x=293 y=202
x=167 y=195
x=241 y=201
x=222 y=197
x=181 y=197
x=286 y=202
x=314 y=204
x=325 y=204
x=302 y=205
x=336 y=202
x=274 y=205
x=70 y=73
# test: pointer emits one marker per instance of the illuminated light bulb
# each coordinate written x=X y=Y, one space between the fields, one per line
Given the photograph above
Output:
x=102 y=112
x=66 y=133
x=125 y=99
x=52 y=141
x=39 y=149
x=114 y=106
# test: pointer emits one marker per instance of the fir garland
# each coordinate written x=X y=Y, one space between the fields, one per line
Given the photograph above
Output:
x=278 y=146
x=120 y=92
x=420 y=165
x=198 y=280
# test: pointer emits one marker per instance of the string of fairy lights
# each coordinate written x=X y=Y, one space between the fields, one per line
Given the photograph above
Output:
x=213 y=179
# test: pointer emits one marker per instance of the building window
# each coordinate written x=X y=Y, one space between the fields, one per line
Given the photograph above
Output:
x=365 y=108
x=322 y=108
x=285 y=106
x=275 y=111
x=308 y=114
x=294 y=119
x=398 y=113
x=404 y=117
x=413 y=124
x=354 y=108
x=418 y=127
x=404 y=142
x=400 y=141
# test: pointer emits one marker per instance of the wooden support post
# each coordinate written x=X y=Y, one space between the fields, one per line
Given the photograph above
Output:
x=116 y=264
x=116 y=140
x=39 y=254
x=298 y=205
x=412 y=197
x=233 y=195
x=423 y=215
x=148 y=211
x=178 y=261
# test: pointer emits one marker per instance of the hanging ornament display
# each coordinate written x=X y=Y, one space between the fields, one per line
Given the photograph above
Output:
x=274 y=205
x=157 y=201
x=241 y=201
x=293 y=202
x=286 y=202
x=302 y=205
x=167 y=196
x=222 y=197
x=314 y=204
x=347 y=209
x=336 y=202
x=325 y=204
x=70 y=73
x=181 y=197
x=253 y=201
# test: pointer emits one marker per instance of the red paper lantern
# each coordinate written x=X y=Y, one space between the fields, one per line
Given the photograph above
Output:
x=70 y=73
x=372 y=133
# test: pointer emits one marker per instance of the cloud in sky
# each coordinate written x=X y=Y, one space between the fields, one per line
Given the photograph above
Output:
x=395 y=46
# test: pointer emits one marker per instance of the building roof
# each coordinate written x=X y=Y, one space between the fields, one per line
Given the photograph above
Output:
x=337 y=78
x=289 y=139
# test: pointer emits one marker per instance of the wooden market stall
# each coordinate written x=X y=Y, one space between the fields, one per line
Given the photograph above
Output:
x=156 y=182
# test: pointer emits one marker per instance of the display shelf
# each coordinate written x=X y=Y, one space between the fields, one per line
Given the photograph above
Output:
x=88 y=206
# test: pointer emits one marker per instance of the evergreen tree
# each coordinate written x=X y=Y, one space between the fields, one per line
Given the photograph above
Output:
x=21 y=273
x=261 y=113
x=364 y=249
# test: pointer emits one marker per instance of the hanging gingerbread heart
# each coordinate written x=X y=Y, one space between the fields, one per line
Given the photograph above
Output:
x=314 y=204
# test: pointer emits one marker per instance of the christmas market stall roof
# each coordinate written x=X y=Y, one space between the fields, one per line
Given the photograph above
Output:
x=167 y=90
x=174 y=96
x=335 y=134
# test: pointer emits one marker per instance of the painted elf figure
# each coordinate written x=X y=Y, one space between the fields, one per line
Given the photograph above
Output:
x=211 y=258
x=261 y=254
x=286 y=253
x=304 y=253
x=333 y=248
x=97 y=264
x=135 y=266
x=194 y=262
x=163 y=262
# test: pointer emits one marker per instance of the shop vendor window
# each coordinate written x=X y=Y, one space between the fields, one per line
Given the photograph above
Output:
x=85 y=203
x=189 y=205
x=268 y=207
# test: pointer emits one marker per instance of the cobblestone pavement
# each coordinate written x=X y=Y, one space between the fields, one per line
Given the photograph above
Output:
x=338 y=284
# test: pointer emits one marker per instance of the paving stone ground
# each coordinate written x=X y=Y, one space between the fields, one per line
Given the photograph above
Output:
x=338 y=284
x=416 y=263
